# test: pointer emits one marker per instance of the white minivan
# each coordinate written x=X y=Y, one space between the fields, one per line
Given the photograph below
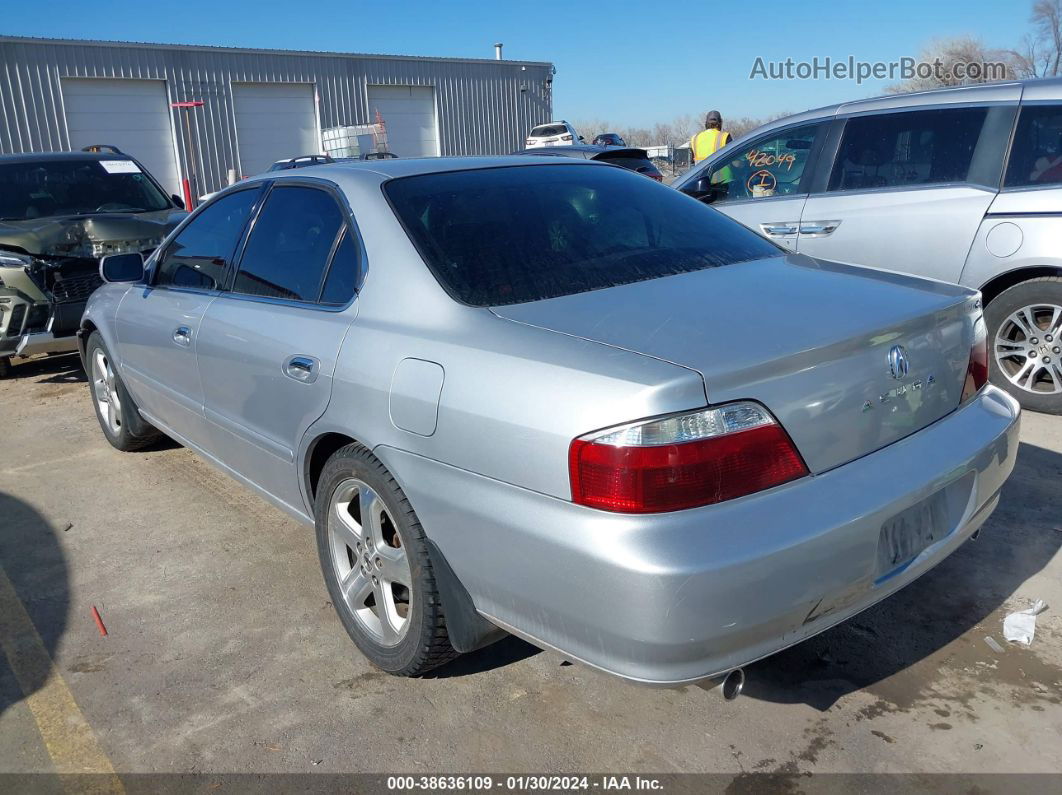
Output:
x=961 y=184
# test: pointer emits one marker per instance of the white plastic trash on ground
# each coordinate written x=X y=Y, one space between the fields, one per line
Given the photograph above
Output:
x=1021 y=626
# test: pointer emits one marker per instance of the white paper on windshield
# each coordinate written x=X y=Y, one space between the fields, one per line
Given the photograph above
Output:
x=120 y=167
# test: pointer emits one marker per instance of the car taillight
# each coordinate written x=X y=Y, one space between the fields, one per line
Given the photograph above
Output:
x=566 y=137
x=683 y=461
x=530 y=141
x=977 y=369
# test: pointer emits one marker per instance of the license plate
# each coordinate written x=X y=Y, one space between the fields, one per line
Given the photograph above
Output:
x=551 y=143
x=909 y=532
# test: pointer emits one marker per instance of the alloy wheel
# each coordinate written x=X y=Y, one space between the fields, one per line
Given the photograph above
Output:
x=103 y=386
x=370 y=564
x=1028 y=348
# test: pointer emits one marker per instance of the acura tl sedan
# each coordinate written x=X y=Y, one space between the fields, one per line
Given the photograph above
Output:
x=554 y=398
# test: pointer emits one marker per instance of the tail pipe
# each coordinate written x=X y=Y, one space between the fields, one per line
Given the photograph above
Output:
x=729 y=684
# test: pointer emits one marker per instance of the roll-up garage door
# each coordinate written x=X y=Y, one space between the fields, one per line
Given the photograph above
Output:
x=274 y=121
x=409 y=113
x=133 y=115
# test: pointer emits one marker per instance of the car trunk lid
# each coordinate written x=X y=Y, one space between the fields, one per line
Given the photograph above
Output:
x=810 y=340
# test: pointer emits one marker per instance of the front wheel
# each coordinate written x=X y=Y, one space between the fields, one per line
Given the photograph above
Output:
x=118 y=416
x=376 y=566
x=1025 y=341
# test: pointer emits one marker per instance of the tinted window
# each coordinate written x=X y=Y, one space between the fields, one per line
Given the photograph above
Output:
x=523 y=233
x=1036 y=156
x=772 y=166
x=549 y=129
x=76 y=187
x=289 y=246
x=199 y=255
x=913 y=148
x=343 y=273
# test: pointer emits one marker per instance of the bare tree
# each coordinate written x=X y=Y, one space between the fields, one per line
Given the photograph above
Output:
x=951 y=58
x=1030 y=59
x=1047 y=22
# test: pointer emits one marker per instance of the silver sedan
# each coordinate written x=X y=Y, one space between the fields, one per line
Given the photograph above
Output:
x=557 y=399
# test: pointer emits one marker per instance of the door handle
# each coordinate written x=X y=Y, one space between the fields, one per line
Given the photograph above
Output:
x=818 y=228
x=182 y=335
x=779 y=228
x=302 y=368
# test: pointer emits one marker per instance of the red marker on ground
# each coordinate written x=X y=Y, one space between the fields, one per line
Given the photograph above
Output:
x=99 y=621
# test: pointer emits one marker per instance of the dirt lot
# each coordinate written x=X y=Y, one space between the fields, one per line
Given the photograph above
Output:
x=224 y=655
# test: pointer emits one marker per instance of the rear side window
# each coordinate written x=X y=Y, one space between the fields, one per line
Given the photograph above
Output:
x=290 y=245
x=343 y=273
x=523 y=233
x=912 y=148
x=1036 y=156
x=198 y=256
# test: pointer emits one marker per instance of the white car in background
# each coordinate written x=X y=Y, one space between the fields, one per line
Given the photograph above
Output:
x=555 y=133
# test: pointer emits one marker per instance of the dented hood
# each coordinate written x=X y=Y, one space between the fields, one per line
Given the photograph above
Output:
x=74 y=236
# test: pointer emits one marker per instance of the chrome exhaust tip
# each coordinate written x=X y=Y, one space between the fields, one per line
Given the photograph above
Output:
x=729 y=685
x=733 y=684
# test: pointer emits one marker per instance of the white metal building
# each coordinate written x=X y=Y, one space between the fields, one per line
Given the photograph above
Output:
x=257 y=105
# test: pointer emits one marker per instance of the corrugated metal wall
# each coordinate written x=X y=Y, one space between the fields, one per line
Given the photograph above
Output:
x=483 y=107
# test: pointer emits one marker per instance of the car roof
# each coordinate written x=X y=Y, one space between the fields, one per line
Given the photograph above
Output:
x=1009 y=91
x=38 y=157
x=378 y=171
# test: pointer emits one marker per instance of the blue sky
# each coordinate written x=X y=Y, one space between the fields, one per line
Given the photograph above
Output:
x=628 y=63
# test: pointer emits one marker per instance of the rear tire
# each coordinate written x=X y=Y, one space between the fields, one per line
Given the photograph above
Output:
x=376 y=566
x=118 y=416
x=1024 y=346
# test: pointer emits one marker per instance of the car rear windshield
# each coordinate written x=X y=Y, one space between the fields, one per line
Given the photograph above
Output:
x=75 y=187
x=524 y=233
x=549 y=129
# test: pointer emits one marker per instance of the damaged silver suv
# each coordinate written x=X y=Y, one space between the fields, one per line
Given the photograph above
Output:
x=60 y=212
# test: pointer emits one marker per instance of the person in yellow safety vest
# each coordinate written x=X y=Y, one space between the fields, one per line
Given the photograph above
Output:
x=711 y=139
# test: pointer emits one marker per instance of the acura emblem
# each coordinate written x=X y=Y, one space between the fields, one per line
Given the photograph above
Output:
x=898 y=364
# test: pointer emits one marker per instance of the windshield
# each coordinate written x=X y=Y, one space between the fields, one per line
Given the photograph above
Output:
x=75 y=187
x=524 y=233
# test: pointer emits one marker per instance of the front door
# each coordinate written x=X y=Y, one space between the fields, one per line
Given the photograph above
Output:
x=908 y=190
x=267 y=349
x=158 y=323
x=763 y=184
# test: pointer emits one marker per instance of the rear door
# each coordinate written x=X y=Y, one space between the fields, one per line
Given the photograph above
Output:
x=908 y=189
x=764 y=183
x=158 y=323
x=268 y=345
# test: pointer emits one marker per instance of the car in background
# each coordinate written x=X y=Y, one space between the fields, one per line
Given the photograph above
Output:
x=555 y=133
x=959 y=184
x=60 y=212
x=378 y=156
x=549 y=397
x=628 y=157
x=608 y=139
x=302 y=161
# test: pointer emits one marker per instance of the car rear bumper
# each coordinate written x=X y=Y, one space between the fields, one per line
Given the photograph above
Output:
x=678 y=597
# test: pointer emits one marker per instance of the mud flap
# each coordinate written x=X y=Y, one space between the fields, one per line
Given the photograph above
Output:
x=468 y=630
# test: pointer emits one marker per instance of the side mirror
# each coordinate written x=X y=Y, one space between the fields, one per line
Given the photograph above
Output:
x=703 y=189
x=122 y=268
x=177 y=200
